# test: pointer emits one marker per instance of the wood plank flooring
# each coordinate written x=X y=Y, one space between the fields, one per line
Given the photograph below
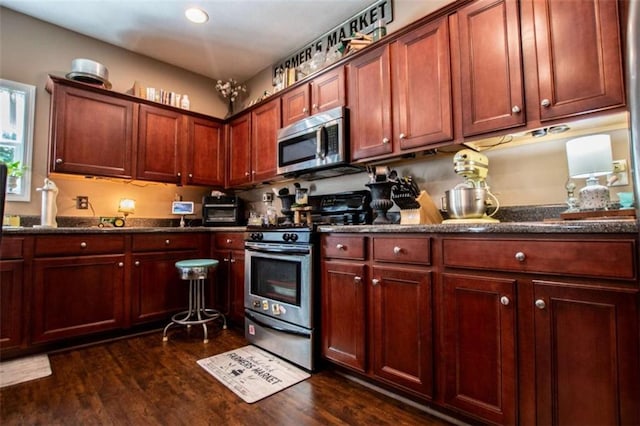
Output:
x=142 y=381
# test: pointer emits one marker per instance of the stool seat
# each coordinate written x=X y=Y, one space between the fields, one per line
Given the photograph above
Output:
x=196 y=271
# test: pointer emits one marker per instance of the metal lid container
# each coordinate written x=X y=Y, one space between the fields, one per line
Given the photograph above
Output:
x=89 y=71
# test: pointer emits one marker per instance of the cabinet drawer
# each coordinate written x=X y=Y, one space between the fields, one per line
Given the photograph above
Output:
x=230 y=240
x=343 y=246
x=77 y=245
x=11 y=248
x=402 y=250
x=587 y=258
x=166 y=241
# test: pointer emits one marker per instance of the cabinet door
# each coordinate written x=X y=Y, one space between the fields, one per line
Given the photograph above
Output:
x=265 y=122
x=205 y=153
x=370 y=104
x=75 y=296
x=579 y=56
x=160 y=138
x=343 y=314
x=11 y=312
x=488 y=39
x=402 y=334
x=239 y=150
x=587 y=357
x=422 y=87
x=156 y=288
x=479 y=327
x=91 y=134
x=236 y=283
x=295 y=105
x=328 y=91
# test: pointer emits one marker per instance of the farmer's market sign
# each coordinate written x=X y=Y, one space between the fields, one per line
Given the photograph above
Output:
x=364 y=23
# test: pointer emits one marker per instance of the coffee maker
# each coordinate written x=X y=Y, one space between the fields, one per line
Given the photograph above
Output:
x=468 y=201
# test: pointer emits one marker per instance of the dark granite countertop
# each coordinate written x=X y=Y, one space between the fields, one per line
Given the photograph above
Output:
x=111 y=230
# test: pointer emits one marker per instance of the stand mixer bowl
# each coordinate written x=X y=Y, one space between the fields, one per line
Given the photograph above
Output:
x=465 y=202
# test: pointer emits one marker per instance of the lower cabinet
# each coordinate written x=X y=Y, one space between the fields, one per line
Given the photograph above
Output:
x=229 y=278
x=377 y=309
x=12 y=306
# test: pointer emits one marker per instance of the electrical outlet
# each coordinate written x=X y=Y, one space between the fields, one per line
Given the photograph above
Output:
x=82 y=202
x=620 y=172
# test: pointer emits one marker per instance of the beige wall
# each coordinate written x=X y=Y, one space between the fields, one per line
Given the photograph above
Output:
x=30 y=50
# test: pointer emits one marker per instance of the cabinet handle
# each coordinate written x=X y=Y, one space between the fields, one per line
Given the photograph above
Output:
x=540 y=304
x=397 y=250
x=385 y=140
x=504 y=300
x=305 y=110
x=179 y=174
x=247 y=173
x=340 y=246
x=520 y=257
x=314 y=106
x=375 y=281
x=545 y=103
x=167 y=242
x=402 y=136
x=83 y=245
x=137 y=263
x=357 y=279
x=59 y=161
x=232 y=260
x=225 y=259
x=120 y=264
x=190 y=175
x=516 y=109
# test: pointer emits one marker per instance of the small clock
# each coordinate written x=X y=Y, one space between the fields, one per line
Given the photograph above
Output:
x=118 y=222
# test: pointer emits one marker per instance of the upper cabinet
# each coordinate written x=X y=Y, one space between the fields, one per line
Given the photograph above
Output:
x=91 y=133
x=486 y=33
x=160 y=137
x=324 y=92
x=239 y=150
x=206 y=157
x=576 y=57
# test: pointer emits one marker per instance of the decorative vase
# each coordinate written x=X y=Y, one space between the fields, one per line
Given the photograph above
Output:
x=230 y=109
x=381 y=200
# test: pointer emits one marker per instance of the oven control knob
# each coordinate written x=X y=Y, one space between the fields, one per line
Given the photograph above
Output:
x=286 y=236
x=256 y=236
x=293 y=237
x=256 y=304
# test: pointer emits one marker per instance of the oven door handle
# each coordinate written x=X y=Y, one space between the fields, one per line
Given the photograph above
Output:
x=279 y=329
x=282 y=250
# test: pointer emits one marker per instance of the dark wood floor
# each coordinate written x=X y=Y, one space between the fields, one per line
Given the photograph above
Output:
x=141 y=381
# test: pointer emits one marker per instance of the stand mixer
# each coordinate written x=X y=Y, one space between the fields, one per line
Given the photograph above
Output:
x=467 y=202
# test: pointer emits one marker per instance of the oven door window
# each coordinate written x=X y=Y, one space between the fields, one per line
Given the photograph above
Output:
x=276 y=279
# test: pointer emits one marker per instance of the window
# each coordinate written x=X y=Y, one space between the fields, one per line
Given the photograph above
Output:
x=17 y=105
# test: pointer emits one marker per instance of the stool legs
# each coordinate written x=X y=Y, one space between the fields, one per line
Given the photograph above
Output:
x=197 y=313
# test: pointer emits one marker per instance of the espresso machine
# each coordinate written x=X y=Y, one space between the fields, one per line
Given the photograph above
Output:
x=468 y=201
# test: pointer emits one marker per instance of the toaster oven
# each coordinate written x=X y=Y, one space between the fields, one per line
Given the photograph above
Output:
x=222 y=211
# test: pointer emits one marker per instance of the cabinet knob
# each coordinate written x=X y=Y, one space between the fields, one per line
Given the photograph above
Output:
x=385 y=141
x=137 y=263
x=83 y=245
x=516 y=109
x=402 y=136
x=314 y=106
x=59 y=161
x=120 y=264
x=375 y=281
x=232 y=260
x=305 y=110
x=504 y=300
x=247 y=173
x=190 y=175
x=340 y=246
x=520 y=257
x=167 y=242
x=225 y=259
x=229 y=241
x=545 y=103
x=540 y=304
x=179 y=174
x=357 y=279
x=397 y=250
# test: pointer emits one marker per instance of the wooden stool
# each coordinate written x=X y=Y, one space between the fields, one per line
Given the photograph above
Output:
x=196 y=271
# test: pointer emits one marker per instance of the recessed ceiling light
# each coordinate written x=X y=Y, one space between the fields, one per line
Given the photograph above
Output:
x=196 y=15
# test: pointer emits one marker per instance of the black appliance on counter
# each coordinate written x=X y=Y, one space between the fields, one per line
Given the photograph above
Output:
x=222 y=211
x=344 y=208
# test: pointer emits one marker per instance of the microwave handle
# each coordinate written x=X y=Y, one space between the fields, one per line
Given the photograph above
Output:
x=320 y=143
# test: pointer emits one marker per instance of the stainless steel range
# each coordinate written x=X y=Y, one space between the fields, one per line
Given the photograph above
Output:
x=281 y=292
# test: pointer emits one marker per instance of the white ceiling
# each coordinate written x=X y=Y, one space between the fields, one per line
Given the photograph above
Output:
x=241 y=38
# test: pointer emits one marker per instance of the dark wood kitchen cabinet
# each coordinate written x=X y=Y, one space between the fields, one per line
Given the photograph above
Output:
x=575 y=321
x=161 y=137
x=157 y=291
x=78 y=286
x=238 y=132
x=91 y=133
x=12 y=285
x=228 y=249
x=574 y=57
x=485 y=37
x=377 y=308
x=324 y=92
x=206 y=156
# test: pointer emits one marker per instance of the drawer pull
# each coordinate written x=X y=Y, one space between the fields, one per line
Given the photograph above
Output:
x=397 y=250
x=340 y=246
x=229 y=240
x=83 y=244
x=357 y=279
x=167 y=242
x=232 y=261
x=516 y=109
x=121 y=264
x=504 y=300
x=540 y=304
x=520 y=257
x=375 y=281
x=385 y=141
x=545 y=103
x=137 y=263
x=225 y=259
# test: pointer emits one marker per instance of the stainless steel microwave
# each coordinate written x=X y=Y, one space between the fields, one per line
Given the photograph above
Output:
x=314 y=143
